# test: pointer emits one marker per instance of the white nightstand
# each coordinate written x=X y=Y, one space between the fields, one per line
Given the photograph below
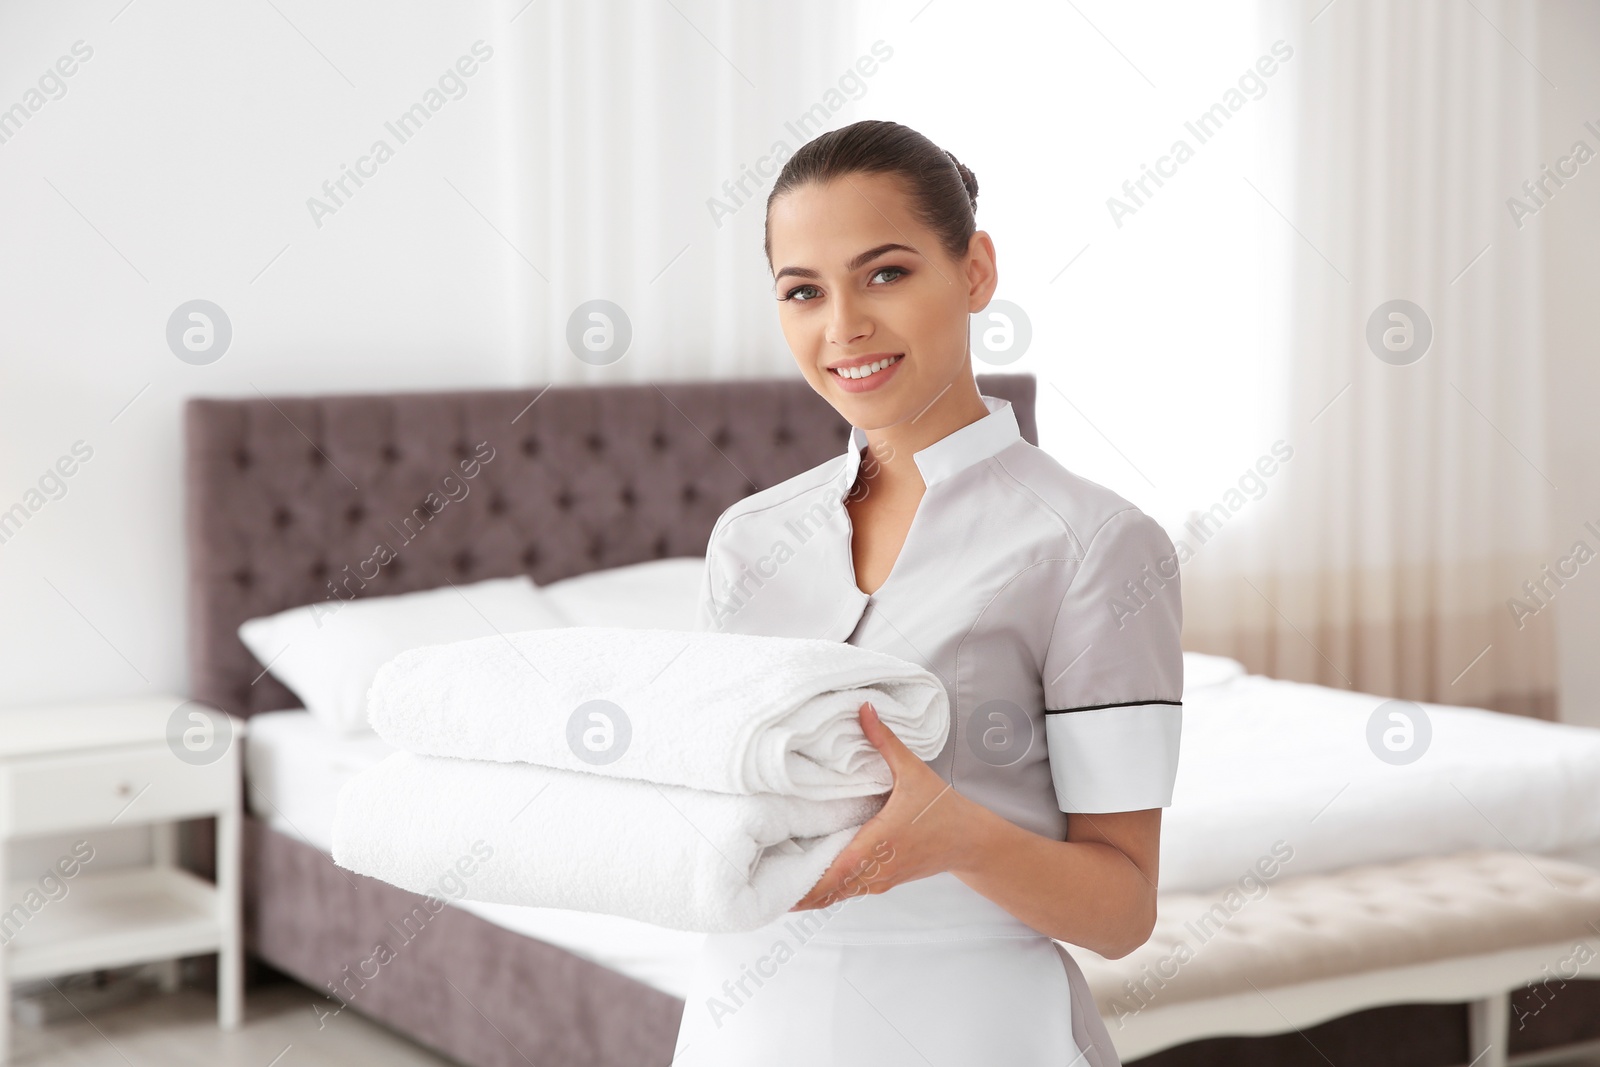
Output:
x=85 y=767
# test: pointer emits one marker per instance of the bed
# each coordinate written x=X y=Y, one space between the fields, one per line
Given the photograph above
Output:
x=285 y=494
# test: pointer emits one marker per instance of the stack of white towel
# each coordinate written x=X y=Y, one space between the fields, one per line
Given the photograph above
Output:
x=700 y=781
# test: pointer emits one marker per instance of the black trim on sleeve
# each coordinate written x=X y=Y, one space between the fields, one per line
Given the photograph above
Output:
x=1124 y=704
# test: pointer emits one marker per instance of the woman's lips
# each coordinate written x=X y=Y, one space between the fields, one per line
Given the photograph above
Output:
x=871 y=381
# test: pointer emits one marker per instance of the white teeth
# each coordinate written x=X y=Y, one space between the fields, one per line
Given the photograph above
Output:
x=867 y=370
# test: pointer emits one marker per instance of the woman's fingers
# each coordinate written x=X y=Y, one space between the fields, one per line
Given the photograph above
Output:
x=885 y=740
x=845 y=877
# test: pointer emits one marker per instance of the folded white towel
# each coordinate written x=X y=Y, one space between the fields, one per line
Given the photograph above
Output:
x=516 y=833
x=734 y=713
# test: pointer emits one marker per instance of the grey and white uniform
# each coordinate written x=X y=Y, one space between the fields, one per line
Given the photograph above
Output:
x=1049 y=607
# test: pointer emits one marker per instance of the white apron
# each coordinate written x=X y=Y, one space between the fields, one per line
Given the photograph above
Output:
x=929 y=972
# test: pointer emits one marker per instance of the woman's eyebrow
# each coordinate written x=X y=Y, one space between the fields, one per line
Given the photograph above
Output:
x=855 y=264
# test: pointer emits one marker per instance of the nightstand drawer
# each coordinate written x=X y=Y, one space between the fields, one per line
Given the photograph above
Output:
x=124 y=787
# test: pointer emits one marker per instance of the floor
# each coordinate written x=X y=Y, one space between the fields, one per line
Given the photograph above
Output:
x=283 y=1028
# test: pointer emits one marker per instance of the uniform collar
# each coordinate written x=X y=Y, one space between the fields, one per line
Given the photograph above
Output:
x=955 y=451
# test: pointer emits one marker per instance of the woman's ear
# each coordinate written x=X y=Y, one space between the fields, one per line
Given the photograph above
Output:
x=983 y=275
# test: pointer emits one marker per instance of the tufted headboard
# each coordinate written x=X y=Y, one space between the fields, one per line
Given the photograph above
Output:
x=392 y=493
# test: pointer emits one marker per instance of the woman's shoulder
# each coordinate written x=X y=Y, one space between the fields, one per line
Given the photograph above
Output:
x=1084 y=507
x=793 y=497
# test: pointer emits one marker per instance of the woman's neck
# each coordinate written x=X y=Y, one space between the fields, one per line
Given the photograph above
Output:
x=889 y=463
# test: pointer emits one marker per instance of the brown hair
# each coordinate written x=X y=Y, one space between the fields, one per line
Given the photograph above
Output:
x=944 y=193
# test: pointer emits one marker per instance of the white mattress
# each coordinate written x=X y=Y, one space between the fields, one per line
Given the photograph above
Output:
x=1261 y=761
x=295 y=768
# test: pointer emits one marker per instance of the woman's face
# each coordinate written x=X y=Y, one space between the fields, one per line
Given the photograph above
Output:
x=858 y=281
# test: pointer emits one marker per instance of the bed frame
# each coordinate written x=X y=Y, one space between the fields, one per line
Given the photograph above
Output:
x=288 y=495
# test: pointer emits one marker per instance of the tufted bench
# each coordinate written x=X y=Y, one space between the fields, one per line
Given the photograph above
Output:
x=1274 y=954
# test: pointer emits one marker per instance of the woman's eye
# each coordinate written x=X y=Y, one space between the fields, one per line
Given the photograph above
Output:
x=898 y=271
x=790 y=294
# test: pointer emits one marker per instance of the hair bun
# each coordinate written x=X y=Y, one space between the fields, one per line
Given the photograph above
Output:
x=968 y=179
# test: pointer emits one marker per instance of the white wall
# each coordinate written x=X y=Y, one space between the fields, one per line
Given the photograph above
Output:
x=1568 y=47
x=177 y=165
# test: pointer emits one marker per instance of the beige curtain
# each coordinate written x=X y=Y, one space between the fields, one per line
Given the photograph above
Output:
x=1391 y=550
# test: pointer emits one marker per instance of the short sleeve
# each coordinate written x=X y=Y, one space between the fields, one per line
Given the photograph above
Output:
x=1113 y=672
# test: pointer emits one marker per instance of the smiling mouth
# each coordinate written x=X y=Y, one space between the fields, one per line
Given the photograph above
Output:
x=868 y=370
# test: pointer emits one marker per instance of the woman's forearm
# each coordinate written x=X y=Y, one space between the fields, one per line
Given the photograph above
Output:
x=1084 y=892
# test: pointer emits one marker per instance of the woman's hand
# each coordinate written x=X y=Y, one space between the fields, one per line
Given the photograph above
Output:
x=922 y=829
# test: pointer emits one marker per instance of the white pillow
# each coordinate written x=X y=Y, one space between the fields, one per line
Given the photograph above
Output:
x=1201 y=670
x=328 y=652
x=662 y=594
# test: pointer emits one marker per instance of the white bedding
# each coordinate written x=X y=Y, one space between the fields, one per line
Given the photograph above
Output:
x=1261 y=761
x=1264 y=760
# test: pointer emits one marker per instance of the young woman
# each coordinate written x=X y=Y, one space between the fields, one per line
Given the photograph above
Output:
x=1047 y=605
